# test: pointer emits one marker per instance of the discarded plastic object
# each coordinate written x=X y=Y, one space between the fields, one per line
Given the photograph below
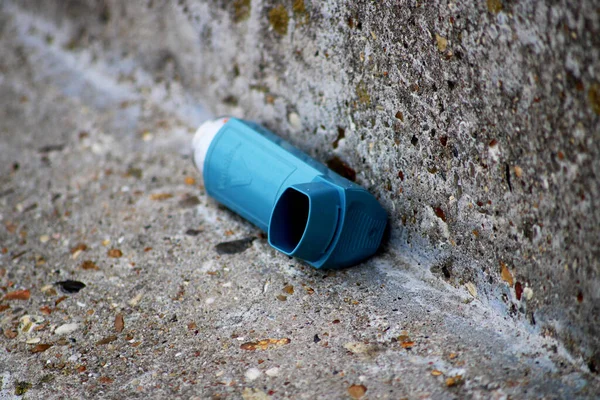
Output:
x=309 y=211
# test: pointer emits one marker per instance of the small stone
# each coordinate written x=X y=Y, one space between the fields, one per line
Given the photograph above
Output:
x=440 y=213
x=357 y=391
x=106 y=380
x=295 y=121
x=9 y=333
x=119 y=323
x=442 y=42
x=506 y=274
x=137 y=173
x=188 y=180
x=106 y=340
x=89 y=265
x=518 y=290
x=48 y=290
x=46 y=310
x=26 y=323
x=33 y=340
x=264 y=344
x=254 y=394
x=272 y=371
x=471 y=288
x=66 y=329
x=147 y=136
x=358 y=347
x=160 y=196
x=135 y=300
x=44 y=238
x=528 y=293
x=289 y=289
x=114 y=253
x=252 y=374
x=518 y=171
x=40 y=348
x=453 y=381
x=79 y=248
x=76 y=254
x=18 y=295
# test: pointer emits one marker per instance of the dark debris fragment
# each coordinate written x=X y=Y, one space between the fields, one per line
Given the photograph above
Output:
x=234 y=247
x=70 y=286
x=51 y=147
x=106 y=340
x=189 y=201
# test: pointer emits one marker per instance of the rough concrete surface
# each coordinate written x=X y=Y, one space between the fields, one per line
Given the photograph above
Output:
x=476 y=125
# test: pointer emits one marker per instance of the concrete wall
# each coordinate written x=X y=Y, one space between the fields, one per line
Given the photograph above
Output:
x=477 y=124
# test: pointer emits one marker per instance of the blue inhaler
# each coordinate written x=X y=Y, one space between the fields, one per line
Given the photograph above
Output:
x=309 y=211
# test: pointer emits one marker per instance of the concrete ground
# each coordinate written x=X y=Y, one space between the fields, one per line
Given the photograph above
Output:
x=97 y=187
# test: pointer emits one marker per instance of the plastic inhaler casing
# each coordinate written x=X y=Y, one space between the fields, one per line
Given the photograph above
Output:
x=309 y=211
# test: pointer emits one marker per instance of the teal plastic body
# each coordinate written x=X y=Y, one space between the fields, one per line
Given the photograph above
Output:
x=308 y=211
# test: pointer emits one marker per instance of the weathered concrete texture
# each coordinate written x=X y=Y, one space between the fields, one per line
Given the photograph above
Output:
x=476 y=125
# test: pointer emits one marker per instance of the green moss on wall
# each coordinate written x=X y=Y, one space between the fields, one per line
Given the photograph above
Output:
x=242 y=10
x=279 y=19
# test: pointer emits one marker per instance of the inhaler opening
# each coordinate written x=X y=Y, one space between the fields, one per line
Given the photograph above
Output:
x=289 y=220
